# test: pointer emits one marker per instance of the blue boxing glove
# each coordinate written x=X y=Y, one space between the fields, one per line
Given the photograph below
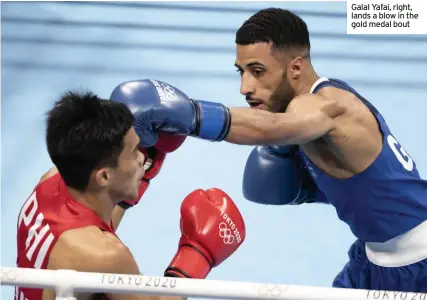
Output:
x=275 y=175
x=158 y=106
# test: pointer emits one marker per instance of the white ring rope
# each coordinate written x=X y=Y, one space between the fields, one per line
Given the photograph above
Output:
x=66 y=282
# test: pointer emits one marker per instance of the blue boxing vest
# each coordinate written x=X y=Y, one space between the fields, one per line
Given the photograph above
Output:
x=387 y=199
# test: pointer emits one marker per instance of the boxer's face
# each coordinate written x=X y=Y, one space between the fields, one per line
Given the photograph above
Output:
x=264 y=79
x=130 y=169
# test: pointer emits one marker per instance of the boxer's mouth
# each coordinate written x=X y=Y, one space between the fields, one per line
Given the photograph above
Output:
x=254 y=103
x=148 y=164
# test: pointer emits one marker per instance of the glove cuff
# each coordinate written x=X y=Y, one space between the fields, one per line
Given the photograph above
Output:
x=213 y=120
x=189 y=262
x=125 y=205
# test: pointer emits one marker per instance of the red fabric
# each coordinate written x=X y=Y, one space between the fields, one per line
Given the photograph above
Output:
x=47 y=213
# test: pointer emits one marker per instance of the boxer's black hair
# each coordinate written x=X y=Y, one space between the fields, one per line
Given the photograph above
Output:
x=284 y=29
x=83 y=133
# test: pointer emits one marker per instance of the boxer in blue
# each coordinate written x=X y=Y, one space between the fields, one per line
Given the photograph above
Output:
x=317 y=140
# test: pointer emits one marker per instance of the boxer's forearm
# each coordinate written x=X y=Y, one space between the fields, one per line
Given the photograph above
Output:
x=117 y=216
x=257 y=127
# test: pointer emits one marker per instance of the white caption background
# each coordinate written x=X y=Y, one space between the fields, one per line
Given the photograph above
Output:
x=387 y=17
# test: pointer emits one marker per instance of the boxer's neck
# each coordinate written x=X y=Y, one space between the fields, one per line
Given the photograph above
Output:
x=306 y=81
x=100 y=203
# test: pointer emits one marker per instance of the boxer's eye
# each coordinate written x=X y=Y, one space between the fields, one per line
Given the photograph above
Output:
x=258 y=72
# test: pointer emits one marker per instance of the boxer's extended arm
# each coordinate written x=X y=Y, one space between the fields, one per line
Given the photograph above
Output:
x=154 y=112
x=91 y=250
x=257 y=127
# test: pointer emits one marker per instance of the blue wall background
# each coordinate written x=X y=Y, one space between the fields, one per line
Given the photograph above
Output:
x=50 y=47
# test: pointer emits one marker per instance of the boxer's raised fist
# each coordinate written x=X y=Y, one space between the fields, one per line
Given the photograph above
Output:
x=155 y=155
x=154 y=158
x=212 y=230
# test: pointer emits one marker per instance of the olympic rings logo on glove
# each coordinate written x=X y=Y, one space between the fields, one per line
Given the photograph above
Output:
x=225 y=233
x=169 y=92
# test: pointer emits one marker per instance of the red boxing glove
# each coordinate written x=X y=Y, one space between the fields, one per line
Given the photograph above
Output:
x=154 y=158
x=212 y=230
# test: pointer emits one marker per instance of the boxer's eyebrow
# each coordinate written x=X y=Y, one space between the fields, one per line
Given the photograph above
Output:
x=255 y=64
x=251 y=64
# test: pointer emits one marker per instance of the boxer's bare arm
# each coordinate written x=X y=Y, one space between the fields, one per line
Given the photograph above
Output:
x=117 y=216
x=307 y=118
x=89 y=249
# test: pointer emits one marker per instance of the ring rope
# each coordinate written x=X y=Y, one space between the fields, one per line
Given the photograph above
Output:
x=66 y=282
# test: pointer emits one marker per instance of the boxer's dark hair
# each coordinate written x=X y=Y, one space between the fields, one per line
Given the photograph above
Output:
x=83 y=133
x=284 y=29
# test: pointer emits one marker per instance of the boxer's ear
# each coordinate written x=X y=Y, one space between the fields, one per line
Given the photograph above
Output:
x=103 y=177
x=295 y=67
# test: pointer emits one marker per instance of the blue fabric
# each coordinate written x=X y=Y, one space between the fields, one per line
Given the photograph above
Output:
x=360 y=273
x=385 y=200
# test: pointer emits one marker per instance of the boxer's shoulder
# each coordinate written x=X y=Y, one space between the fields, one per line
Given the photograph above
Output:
x=89 y=249
x=49 y=174
x=335 y=93
x=309 y=102
x=354 y=107
x=358 y=117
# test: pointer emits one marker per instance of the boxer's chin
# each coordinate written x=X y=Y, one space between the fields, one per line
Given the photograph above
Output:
x=260 y=106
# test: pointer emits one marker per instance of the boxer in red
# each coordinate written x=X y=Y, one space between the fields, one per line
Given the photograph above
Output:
x=70 y=218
